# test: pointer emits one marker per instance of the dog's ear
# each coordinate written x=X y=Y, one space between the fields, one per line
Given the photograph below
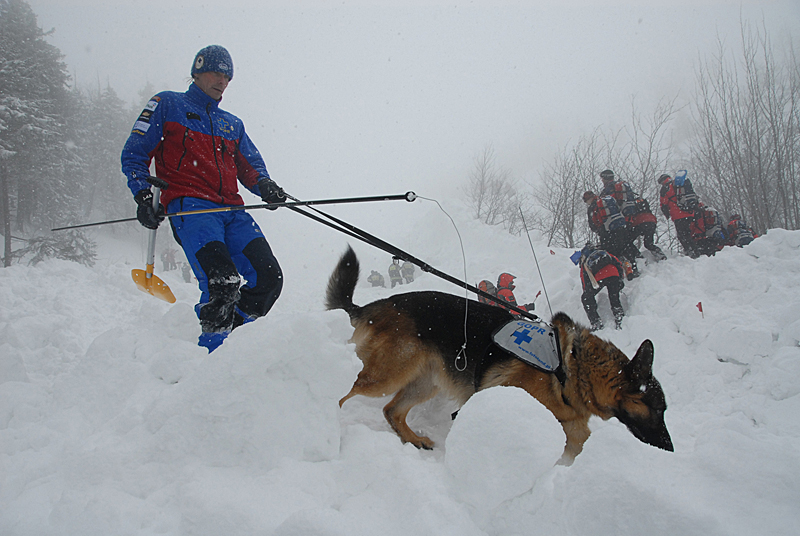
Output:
x=640 y=367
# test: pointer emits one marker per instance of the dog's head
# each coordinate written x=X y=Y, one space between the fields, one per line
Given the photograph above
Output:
x=640 y=402
x=615 y=386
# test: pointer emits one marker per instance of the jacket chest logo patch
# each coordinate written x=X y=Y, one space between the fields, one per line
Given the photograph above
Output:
x=224 y=125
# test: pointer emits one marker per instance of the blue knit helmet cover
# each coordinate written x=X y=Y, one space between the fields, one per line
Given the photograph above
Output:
x=214 y=58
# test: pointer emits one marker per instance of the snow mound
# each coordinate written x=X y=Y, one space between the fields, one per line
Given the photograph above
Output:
x=502 y=441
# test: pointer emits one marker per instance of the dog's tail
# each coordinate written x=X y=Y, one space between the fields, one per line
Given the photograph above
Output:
x=342 y=284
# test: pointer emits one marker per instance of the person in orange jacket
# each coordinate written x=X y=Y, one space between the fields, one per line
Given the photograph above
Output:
x=489 y=288
x=505 y=291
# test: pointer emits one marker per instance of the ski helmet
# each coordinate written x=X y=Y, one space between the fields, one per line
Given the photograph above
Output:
x=506 y=280
x=607 y=175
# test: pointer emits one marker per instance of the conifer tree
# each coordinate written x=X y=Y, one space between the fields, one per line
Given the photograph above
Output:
x=35 y=155
x=34 y=102
x=104 y=126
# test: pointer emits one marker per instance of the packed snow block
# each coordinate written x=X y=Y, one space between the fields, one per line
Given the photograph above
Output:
x=501 y=442
x=319 y=521
x=777 y=243
x=620 y=486
x=790 y=335
x=779 y=378
x=269 y=392
x=12 y=367
x=745 y=343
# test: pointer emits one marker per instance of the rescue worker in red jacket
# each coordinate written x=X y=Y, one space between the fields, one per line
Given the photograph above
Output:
x=600 y=269
x=620 y=190
x=707 y=231
x=607 y=221
x=505 y=291
x=739 y=233
x=637 y=213
x=682 y=218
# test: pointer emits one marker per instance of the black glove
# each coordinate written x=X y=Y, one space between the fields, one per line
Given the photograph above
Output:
x=271 y=192
x=529 y=306
x=146 y=215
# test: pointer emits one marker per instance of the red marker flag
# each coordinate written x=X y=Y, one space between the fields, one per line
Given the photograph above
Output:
x=700 y=308
x=552 y=252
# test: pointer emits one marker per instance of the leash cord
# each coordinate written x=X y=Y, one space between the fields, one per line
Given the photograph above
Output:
x=462 y=354
x=374 y=241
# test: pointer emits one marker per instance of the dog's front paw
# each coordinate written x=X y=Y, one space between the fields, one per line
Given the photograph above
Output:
x=421 y=442
x=424 y=443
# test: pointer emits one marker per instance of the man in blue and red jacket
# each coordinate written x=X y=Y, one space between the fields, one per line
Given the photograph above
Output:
x=203 y=153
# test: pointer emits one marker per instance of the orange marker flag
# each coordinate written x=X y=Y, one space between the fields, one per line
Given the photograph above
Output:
x=700 y=308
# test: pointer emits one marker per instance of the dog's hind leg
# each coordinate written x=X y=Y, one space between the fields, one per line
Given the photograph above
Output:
x=367 y=384
x=420 y=390
x=379 y=378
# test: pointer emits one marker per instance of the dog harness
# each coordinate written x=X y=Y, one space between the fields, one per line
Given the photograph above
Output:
x=534 y=343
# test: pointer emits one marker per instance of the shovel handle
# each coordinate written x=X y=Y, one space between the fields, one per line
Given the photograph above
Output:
x=151 y=239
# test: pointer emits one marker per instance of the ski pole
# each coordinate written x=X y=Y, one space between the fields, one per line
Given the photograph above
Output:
x=408 y=196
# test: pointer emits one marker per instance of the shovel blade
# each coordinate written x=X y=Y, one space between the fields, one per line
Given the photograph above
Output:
x=148 y=282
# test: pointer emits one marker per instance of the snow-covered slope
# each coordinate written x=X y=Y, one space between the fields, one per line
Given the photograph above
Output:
x=113 y=421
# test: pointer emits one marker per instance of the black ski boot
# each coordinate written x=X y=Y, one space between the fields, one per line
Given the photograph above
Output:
x=619 y=314
x=634 y=270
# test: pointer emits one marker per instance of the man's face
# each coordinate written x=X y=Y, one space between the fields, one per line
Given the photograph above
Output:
x=212 y=83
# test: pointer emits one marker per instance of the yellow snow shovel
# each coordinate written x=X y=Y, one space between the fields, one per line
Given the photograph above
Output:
x=145 y=279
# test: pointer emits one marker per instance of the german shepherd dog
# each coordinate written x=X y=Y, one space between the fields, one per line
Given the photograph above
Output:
x=408 y=344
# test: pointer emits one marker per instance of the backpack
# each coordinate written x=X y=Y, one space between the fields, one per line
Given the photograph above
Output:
x=739 y=232
x=628 y=204
x=609 y=211
x=712 y=223
x=597 y=260
x=685 y=197
x=623 y=194
x=488 y=287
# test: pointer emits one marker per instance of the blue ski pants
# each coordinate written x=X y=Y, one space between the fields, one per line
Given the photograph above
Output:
x=224 y=248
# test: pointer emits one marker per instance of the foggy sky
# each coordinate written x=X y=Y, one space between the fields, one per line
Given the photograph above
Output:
x=372 y=97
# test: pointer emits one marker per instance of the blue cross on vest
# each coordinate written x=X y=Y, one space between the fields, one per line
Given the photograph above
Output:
x=522 y=336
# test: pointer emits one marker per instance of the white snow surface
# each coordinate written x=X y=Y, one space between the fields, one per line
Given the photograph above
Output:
x=113 y=420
